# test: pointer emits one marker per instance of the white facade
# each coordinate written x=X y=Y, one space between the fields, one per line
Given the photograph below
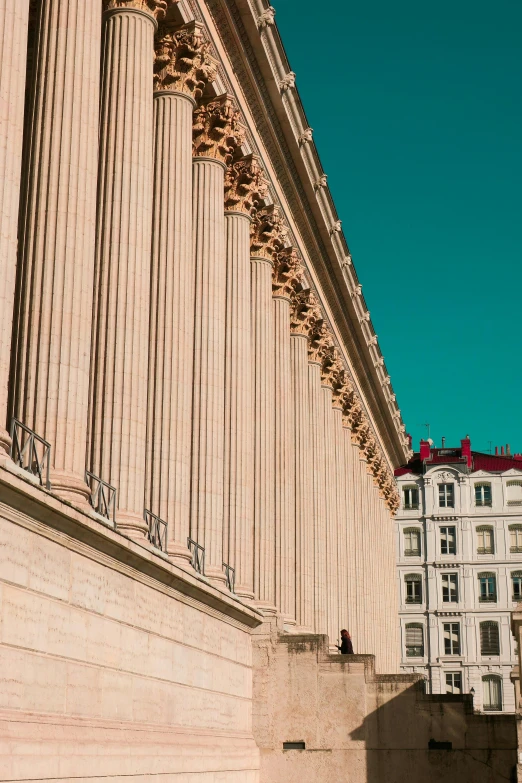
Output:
x=457 y=569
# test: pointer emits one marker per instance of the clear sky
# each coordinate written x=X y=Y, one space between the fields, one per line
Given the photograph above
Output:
x=417 y=117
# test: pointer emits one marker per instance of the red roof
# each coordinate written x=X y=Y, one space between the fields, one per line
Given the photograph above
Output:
x=488 y=462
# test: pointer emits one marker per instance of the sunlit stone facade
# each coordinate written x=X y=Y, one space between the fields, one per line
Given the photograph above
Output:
x=197 y=429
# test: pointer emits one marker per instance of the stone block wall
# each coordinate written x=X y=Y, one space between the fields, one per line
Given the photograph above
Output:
x=364 y=727
x=106 y=671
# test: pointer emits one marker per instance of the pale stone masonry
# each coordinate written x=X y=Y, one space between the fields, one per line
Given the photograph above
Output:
x=193 y=360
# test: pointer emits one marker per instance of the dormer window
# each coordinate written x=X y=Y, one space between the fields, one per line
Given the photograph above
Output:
x=410 y=498
x=483 y=494
x=446 y=496
x=514 y=492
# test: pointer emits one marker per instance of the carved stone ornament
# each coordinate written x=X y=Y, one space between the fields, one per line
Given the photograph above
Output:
x=305 y=312
x=246 y=186
x=332 y=371
x=322 y=182
x=156 y=8
x=266 y=19
x=320 y=342
x=287 y=273
x=287 y=82
x=217 y=130
x=336 y=228
x=268 y=232
x=347 y=261
x=182 y=59
x=306 y=136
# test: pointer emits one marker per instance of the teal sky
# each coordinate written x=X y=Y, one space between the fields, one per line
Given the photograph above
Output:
x=417 y=117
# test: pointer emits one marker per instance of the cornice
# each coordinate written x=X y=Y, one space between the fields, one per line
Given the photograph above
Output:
x=257 y=55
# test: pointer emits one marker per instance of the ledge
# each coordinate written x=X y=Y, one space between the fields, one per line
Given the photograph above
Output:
x=40 y=505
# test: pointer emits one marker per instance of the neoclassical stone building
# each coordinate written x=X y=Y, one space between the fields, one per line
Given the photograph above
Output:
x=197 y=428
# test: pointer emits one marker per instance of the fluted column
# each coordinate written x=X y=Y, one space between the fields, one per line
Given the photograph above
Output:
x=13 y=47
x=182 y=68
x=342 y=516
x=286 y=275
x=351 y=620
x=123 y=257
x=267 y=229
x=303 y=315
x=244 y=186
x=53 y=329
x=214 y=122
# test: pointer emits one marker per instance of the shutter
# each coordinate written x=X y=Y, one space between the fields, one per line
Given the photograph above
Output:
x=489 y=639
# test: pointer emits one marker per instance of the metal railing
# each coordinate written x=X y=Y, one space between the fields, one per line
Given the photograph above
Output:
x=103 y=496
x=230 y=577
x=156 y=530
x=197 y=560
x=30 y=452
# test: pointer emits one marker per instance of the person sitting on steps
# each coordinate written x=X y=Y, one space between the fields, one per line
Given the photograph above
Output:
x=346 y=647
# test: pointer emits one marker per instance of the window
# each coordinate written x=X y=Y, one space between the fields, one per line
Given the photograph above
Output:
x=446 y=496
x=413 y=588
x=414 y=640
x=515 y=538
x=487 y=587
x=489 y=638
x=516 y=578
x=448 y=541
x=453 y=682
x=410 y=497
x=485 y=545
x=412 y=540
x=449 y=588
x=492 y=690
x=451 y=639
x=483 y=494
x=514 y=492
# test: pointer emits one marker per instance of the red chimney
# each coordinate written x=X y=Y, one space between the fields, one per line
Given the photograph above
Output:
x=496 y=451
x=508 y=450
x=502 y=451
x=425 y=451
x=465 y=445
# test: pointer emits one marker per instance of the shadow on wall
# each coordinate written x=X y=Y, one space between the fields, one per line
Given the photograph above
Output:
x=322 y=718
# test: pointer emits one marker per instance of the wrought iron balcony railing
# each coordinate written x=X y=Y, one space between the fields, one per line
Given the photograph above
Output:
x=103 y=496
x=230 y=577
x=30 y=452
x=197 y=559
x=156 y=530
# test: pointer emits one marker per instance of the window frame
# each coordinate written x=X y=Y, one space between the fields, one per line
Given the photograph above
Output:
x=451 y=587
x=454 y=688
x=488 y=579
x=497 y=706
x=410 y=531
x=516 y=528
x=485 y=550
x=412 y=505
x=447 y=539
x=416 y=627
x=483 y=485
x=485 y=646
x=516 y=575
x=413 y=579
x=513 y=483
x=446 y=485
x=450 y=628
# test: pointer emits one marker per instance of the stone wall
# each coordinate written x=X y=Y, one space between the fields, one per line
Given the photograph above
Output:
x=113 y=663
x=365 y=727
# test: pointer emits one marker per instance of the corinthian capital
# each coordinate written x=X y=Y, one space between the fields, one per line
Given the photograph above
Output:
x=182 y=59
x=156 y=8
x=320 y=342
x=332 y=369
x=305 y=312
x=217 y=130
x=245 y=185
x=268 y=233
x=287 y=273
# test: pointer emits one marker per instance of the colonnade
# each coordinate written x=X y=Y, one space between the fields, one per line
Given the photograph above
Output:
x=163 y=335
